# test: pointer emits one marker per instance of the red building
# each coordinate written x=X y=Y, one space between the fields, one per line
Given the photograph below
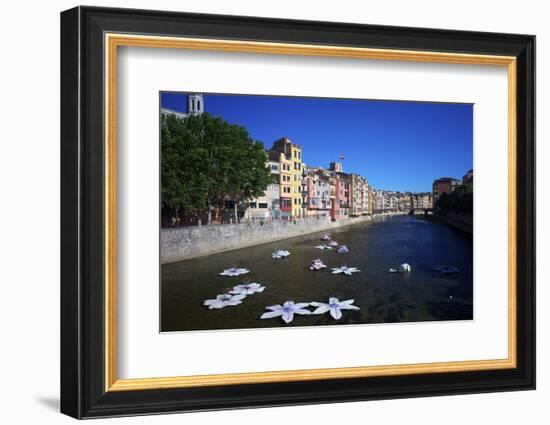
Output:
x=443 y=185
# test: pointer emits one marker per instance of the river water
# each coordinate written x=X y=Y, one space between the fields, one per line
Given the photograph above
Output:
x=383 y=297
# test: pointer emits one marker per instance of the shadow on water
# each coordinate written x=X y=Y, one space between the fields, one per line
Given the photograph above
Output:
x=422 y=295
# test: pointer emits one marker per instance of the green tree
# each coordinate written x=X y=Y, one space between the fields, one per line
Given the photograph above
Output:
x=460 y=200
x=206 y=160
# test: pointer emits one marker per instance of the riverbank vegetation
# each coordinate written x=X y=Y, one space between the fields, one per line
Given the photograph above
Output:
x=460 y=200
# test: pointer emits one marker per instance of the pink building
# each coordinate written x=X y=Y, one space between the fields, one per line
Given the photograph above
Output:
x=335 y=195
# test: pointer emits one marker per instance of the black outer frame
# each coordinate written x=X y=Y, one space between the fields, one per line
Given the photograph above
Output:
x=82 y=212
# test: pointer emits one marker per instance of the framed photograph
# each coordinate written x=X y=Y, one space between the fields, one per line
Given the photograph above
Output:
x=261 y=212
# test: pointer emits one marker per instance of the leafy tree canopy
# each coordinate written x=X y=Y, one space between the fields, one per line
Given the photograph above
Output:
x=205 y=160
x=460 y=200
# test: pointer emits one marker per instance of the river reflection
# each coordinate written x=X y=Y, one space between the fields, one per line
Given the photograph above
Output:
x=374 y=247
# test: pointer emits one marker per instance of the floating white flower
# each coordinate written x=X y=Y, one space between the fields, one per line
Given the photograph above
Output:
x=334 y=306
x=342 y=249
x=325 y=237
x=317 y=265
x=280 y=254
x=333 y=243
x=323 y=247
x=404 y=268
x=224 y=300
x=345 y=269
x=392 y=270
x=234 y=271
x=247 y=289
x=287 y=311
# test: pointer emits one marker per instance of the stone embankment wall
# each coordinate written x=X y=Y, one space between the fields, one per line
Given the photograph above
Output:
x=190 y=242
x=462 y=221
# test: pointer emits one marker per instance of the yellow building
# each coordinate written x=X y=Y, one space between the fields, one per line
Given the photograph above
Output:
x=293 y=155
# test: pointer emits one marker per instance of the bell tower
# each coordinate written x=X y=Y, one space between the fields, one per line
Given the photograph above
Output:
x=195 y=104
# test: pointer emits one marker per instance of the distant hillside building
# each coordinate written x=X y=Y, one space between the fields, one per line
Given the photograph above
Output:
x=468 y=178
x=443 y=185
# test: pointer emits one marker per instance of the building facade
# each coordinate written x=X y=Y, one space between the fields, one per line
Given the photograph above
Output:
x=468 y=178
x=195 y=106
x=443 y=185
x=293 y=156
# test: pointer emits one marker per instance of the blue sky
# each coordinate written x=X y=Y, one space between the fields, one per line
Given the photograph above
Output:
x=400 y=146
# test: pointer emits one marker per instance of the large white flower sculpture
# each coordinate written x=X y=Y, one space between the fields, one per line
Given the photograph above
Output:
x=280 y=253
x=333 y=243
x=323 y=247
x=345 y=269
x=247 y=289
x=325 y=237
x=234 y=271
x=287 y=311
x=334 y=306
x=342 y=249
x=224 y=300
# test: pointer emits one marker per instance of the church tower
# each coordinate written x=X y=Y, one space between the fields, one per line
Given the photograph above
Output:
x=195 y=104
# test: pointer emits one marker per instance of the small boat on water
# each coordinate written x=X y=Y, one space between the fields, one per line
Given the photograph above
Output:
x=403 y=268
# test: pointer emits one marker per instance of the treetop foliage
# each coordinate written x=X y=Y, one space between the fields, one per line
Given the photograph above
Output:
x=204 y=160
x=460 y=200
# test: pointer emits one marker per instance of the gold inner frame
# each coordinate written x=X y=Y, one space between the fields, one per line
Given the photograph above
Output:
x=113 y=41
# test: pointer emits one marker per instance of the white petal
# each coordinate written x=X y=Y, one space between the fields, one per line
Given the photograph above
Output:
x=234 y=302
x=217 y=304
x=288 y=316
x=316 y=304
x=301 y=305
x=333 y=300
x=238 y=297
x=346 y=302
x=322 y=309
x=274 y=307
x=208 y=302
x=271 y=314
x=335 y=313
x=236 y=291
x=288 y=304
x=302 y=311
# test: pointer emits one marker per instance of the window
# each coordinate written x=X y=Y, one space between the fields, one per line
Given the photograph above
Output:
x=253 y=205
x=274 y=167
x=262 y=205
